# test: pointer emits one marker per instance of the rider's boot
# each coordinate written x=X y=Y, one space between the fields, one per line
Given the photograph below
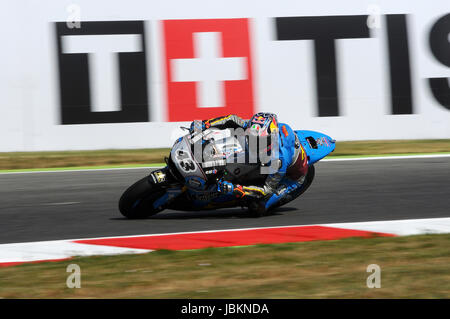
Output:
x=257 y=208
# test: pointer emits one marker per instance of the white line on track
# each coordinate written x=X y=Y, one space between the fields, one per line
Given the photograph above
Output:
x=58 y=204
x=81 y=170
x=323 y=160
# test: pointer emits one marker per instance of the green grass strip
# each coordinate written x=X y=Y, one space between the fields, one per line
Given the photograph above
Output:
x=76 y=168
x=106 y=159
x=97 y=167
x=411 y=267
x=386 y=155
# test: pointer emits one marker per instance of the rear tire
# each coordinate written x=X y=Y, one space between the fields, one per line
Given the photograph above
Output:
x=137 y=201
x=256 y=209
x=308 y=179
x=306 y=184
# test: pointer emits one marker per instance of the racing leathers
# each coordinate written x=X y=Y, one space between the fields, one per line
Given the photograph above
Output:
x=291 y=165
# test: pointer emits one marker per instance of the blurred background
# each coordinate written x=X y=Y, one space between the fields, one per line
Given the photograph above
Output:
x=89 y=75
x=107 y=84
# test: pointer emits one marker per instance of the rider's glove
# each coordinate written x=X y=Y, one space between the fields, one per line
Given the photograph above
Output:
x=198 y=126
x=238 y=191
x=228 y=188
x=225 y=187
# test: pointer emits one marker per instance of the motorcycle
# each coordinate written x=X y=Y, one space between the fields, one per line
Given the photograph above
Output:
x=188 y=183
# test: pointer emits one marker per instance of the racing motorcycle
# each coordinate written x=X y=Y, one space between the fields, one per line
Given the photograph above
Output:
x=188 y=183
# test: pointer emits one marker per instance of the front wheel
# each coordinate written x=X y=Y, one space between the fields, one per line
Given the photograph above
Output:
x=137 y=201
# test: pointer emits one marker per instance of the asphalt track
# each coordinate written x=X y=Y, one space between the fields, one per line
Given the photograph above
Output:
x=72 y=205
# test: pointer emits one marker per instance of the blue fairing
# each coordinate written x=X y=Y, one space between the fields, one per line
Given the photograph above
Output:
x=201 y=196
x=317 y=145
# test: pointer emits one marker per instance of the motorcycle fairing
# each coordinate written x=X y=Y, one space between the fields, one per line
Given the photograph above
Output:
x=185 y=162
x=203 y=200
x=316 y=145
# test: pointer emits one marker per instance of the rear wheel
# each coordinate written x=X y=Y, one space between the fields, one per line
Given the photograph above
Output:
x=306 y=184
x=308 y=179
x=137 y=201
x=256 y=208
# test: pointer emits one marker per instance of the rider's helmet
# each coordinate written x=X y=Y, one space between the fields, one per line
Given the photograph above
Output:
x=263 y=127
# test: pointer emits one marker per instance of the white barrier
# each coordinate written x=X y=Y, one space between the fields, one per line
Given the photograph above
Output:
x=126 y=74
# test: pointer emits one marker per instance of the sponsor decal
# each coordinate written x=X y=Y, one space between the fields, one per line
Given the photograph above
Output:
x=284 y=130
x=280 y=191
x=322 y=141
x=160 y=176
x=205 y=196
x=214 y=163
x=211 y=171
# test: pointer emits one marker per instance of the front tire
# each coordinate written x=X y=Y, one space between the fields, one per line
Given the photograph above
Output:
x=137 y=201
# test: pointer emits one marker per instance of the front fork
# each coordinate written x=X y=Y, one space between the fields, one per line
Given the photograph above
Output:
x=162 y=178
x=168 y=197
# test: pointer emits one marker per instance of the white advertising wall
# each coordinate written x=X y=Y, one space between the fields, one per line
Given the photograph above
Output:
x=73 y=77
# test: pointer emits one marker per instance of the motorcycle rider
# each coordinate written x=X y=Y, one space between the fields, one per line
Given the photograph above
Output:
x=279 y=187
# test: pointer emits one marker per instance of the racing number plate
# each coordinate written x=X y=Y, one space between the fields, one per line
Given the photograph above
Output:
x=182 y=156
